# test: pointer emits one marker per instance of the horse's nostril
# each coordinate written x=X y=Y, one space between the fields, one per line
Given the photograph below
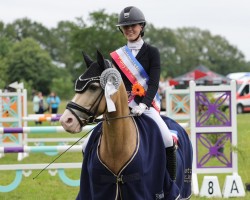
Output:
x=69 y=120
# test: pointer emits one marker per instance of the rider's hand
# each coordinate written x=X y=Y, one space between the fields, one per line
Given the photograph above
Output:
x=138 y=110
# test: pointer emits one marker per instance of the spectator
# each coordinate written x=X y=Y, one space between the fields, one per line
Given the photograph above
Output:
x=38 y=105
x=53 y=103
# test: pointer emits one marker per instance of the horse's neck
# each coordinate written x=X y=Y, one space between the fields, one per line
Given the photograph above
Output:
x=118 y=127
x=119 y=137
x=120 y=123
x=119 y=130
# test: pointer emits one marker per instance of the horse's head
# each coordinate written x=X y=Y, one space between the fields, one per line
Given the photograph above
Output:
x=96 y=90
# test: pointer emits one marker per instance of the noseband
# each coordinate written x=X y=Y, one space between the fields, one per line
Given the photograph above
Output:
x=90 y=113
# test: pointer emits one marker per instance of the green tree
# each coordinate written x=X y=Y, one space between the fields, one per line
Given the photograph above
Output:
x=165 y=40
x=5 y=46
x=199 y=47
x=181 y=50
x=5 y=42
x=61 y=51
x=25 y=28
x=3 y=72
x=101 y=34
x=63 y=86
x=28 y=61
x=185 y=48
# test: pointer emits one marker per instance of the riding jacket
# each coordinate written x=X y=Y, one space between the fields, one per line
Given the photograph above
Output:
x=149 y=58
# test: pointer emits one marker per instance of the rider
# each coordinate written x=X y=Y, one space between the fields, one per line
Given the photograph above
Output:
x=139 y=65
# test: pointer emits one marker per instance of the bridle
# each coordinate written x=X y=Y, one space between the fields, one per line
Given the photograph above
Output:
x=91 y=113
x=89 y=116
x=92 y=117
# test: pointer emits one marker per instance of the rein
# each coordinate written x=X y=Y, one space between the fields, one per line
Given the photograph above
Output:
x=105 y=118
x=86 y=116
x=63 y=152
x=95 y=121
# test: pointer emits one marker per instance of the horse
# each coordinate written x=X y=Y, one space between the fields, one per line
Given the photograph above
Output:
x=125 y=155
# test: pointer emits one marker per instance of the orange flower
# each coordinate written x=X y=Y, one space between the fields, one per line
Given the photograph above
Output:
x=137 y=89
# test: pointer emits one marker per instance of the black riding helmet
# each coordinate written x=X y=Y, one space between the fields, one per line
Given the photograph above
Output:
x=131 y=15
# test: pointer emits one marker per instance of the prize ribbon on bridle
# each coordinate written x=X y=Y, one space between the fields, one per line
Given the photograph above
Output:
x=110 y=81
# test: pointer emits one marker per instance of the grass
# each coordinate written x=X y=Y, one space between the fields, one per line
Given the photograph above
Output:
x=46 y=187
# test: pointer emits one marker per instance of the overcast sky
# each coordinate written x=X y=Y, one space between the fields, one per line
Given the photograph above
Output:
x=227 y=18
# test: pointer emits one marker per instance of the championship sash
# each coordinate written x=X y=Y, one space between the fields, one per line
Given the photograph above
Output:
x=134 y=71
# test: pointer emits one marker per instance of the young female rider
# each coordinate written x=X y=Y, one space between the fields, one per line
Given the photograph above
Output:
x=139 y=65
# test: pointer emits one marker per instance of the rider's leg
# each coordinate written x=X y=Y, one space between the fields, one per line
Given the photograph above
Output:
x=167 y=139
x=171 y=161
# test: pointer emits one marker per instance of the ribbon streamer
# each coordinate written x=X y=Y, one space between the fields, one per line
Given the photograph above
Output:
x=110 y=81
x=109 y=90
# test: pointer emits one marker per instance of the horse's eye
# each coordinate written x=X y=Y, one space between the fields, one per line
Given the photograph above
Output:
x=93 y=86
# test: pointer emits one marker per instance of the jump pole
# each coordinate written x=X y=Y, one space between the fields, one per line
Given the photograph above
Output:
x=42 y=129
x=39 y=149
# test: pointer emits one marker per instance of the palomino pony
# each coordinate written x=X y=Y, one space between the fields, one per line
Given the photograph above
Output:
x=125 y=155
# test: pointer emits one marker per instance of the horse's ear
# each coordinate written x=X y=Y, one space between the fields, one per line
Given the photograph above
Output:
x=100 y=60
x=87 y=59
